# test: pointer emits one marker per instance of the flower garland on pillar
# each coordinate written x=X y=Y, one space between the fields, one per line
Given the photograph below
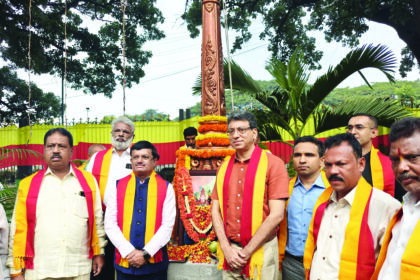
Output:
x=197 y=218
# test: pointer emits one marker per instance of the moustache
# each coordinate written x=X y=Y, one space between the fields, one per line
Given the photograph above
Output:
x=56 y=156
x=335 y=177
x=407 y=176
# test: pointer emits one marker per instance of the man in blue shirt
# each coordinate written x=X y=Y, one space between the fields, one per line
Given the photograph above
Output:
x=304 y=190
x=139 y=218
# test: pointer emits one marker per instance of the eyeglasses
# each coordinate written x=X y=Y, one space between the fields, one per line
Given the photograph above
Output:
x=358 y=127
x=240 y=130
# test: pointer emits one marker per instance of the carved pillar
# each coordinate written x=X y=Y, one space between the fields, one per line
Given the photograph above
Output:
x=212 y=88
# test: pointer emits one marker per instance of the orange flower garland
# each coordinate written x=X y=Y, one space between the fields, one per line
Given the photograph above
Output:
x=212 y=142
x=197 y=253
x=206 y=127
x=196 y=219
x=199 y=222
x=212 y=139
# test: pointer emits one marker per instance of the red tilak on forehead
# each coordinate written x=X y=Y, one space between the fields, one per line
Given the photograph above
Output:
x=400 y=154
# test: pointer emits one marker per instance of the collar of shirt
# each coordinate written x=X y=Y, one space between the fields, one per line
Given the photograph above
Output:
x=410 y=202
x=146 y=181
x=127 y=151
x=349 y=198
x=244 y=161
x=49 y=172
x=318 y=182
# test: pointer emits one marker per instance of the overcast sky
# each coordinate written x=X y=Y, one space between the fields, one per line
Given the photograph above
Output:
x=176 y=63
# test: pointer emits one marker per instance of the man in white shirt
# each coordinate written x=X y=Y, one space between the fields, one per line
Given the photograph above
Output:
x=57 y=225
x=399 y=257
x=4 y=244
x=108 y=166
x=349 y=219
x=113 y=164
x=139 y=218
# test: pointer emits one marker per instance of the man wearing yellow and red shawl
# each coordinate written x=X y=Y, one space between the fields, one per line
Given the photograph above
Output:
x=349 y=219
x=248 y=204
x=108 y=166
x=304 y=190
x=139 y=218
x=378 y=171
x=400 y=254
x=57 y=226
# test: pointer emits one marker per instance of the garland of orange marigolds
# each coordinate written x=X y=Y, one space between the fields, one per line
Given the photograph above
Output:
x=206 y=127
x=197 y=218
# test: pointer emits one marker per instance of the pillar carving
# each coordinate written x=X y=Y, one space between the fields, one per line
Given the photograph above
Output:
x=212 y=88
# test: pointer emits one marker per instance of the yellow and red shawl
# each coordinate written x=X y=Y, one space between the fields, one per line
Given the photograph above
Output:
x=100 y=170
x=156 y=194
x=25 y=216
x=382 y=175
x=358 y=254
x=410 y=262
x=282 y=234
x=252 y=205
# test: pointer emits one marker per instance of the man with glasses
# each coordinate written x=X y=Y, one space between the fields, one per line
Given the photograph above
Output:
x=139 y=218
x=378 y=171
x=108 y=166
x=248 y=204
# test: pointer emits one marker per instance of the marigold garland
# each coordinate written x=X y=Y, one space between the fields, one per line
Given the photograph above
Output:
x=199 y=221
x=196 y=219
x=211 y=136
x=212 y=118
x=214 y=142
x=206 y=127
x=199 y=217
x=197 y=253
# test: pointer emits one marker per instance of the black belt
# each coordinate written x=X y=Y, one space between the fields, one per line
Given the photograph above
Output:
x=299 y=259
x=236 y=243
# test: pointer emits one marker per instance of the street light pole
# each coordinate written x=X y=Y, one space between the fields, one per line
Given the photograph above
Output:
x=87 y=114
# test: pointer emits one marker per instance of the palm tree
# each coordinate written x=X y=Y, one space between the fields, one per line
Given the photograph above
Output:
x=8 y=194
x=295 y=108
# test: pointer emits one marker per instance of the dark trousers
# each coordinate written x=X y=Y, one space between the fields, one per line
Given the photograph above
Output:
x=108 y=270
x=292 y=269
x=160 y=275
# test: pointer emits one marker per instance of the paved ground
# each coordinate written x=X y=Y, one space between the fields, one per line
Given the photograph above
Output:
x=193 y=271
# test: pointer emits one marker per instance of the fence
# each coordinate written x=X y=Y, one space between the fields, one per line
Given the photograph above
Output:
x=167 y=136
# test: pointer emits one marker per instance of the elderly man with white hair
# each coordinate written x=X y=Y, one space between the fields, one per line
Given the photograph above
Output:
x=108 y=167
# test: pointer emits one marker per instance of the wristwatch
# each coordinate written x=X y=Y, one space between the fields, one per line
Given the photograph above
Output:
x=146 y=255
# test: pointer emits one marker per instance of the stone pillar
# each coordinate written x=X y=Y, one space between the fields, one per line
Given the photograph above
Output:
x=212 y=88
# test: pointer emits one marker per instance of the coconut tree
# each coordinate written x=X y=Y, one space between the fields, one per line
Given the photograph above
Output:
x=295 y=108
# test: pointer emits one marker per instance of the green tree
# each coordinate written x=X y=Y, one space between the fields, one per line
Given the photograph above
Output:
x=14 y=99
x=343 y=21
x=94 y=60
x=294 y=106
x=148 y=115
